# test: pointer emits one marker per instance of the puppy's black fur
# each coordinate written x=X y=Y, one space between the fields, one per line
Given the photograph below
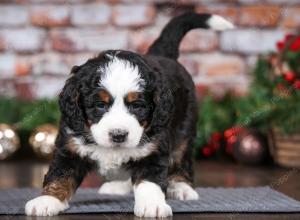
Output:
x=169 y=113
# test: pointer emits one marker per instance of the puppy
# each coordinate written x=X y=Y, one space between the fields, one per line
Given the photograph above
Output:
x=133 y=118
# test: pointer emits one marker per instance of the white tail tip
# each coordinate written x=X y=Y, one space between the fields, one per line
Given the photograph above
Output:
x=219 y=23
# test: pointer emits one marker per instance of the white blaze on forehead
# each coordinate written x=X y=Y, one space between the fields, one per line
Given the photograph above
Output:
x=120 y=78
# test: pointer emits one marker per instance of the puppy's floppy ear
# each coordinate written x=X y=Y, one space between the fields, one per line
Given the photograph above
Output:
x=69 y=102
x=163 y=99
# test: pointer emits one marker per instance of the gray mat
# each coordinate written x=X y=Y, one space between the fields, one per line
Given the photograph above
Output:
x=258 y=199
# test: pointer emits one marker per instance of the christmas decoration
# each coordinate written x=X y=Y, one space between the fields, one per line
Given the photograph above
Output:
x=272 y=102
x=231 y=138
x=250 y=147
x=274 y=96
x=43 y=140
x=290 y=76
x=215 y=116
x=9 y=141
x=26 y=116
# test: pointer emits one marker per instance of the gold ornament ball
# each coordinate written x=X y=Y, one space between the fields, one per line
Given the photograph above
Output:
x=9 y=141
x=42 y=140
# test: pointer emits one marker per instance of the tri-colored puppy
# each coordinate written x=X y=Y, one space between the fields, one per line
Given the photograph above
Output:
x=133 y=118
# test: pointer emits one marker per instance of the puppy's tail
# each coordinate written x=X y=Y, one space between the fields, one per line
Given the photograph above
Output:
x=167 y=44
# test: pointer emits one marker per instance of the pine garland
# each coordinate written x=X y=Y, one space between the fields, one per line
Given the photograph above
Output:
x=272 y=102
x=27 y=115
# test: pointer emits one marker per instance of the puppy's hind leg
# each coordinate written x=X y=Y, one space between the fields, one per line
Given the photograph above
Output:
x=181 y=190
x=116 y=187
x=180 y=176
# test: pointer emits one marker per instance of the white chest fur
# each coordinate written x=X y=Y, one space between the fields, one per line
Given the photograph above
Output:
x=110 y=160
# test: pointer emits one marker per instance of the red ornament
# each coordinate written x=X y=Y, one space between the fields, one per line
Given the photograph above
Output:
x=228 y=133
x=295 y=46
x=280 y=45
x=250 y=148
x=297 y=84
x=290 y=76
x=207 y=151
x=288 y=37
x=216 y=136
x=231 y=138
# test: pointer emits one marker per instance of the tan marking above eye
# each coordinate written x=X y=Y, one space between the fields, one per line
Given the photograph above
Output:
x=132 y=96
x=104 y=96
x=144 y=124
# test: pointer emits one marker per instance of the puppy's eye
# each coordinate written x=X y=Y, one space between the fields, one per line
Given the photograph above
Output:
x=102 y=105
x=137 y=104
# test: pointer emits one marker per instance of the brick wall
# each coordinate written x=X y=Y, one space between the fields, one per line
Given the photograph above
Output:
x=40 y=40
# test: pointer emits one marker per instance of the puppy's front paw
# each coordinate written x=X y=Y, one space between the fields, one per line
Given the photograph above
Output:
x=45 y=206
x=181 y=191
x=152 y=209
x=150 y=201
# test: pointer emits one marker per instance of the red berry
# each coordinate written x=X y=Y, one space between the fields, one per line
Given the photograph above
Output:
x=280 y=45
x=232 y=140
x=288 y=37
x=216 y=136
x=297 y=84
x=207 y=151
x=228 y=133
x=295 y=46
x=216 y=146
x=290 y=76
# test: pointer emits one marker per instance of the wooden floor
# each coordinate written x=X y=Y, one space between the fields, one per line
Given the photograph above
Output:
x=208 y=173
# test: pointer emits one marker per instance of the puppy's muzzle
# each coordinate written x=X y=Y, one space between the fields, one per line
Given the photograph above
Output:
x=118 y=135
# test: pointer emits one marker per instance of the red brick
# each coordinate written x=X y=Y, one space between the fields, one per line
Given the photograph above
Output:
x=259 y=15
x=199 y=40
x=133 y=15
x=50 y=15
x=208 y=69
x=291 y=17
x=78 y=40
x=229 y=12
x=23 y=88
x=13 y=15
x=12 y=66
x=23 y=67
x=22 y=40
x=90 y=14
x=219 y=66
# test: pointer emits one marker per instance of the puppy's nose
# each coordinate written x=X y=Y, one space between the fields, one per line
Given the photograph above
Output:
x=118 y=135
